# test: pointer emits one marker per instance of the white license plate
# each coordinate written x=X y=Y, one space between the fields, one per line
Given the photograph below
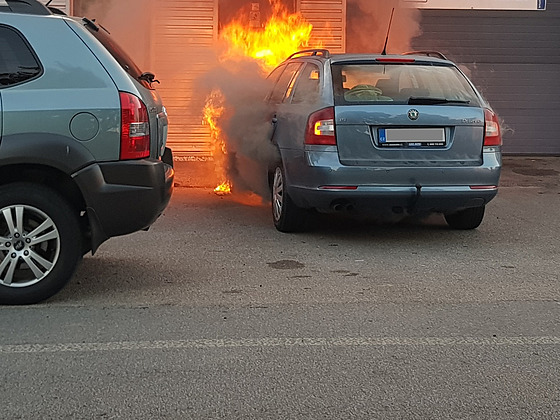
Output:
x=410 y=137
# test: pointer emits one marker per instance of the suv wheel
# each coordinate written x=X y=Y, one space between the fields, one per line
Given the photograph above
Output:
x=286 y=215
x=40 y=243
x=470 y=218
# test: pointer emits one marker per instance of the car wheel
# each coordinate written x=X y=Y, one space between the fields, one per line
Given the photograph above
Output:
x=470 y=218
x=40 y=243
x=286 y=215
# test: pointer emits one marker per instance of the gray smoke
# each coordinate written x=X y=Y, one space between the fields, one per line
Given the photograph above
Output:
x=128 y=21
x=245 y=124
x=368 y=21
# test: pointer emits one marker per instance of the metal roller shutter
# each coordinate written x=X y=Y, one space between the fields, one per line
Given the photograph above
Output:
x=184 y=33
x=328 y=18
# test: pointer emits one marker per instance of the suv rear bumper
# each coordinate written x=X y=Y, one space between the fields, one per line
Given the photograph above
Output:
x=124 y=197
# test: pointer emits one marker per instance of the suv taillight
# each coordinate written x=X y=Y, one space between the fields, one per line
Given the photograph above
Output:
x=321 y=128
x=135 y=128
x=492 y=134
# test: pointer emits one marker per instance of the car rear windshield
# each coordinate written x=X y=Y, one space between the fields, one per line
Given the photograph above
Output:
x=401 y=83
x=116 y=51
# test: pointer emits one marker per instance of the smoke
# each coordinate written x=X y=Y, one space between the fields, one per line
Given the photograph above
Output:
x=126 y=20
x=368 y=22
x=239 y=87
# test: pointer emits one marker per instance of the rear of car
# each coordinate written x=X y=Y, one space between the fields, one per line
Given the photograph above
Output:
x=387 y=134
x=137 y=164
x=82 y=147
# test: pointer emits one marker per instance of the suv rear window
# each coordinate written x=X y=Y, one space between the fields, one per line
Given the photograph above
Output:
x=116 y=51
x=17 y=62
x=376 y=83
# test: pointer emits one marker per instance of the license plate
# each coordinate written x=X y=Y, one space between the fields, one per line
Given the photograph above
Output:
x=412 y=137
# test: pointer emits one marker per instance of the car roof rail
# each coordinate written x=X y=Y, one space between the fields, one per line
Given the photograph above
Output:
x=435 y=54
x=31 y=7
x=312 y=52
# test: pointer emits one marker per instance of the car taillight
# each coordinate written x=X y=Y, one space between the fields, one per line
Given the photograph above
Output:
x=135 y=128
x=320 y=128
x=492 y=134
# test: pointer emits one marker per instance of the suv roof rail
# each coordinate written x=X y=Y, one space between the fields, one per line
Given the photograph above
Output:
x=56 y=11
x=312 y=52
x=31 y=7
x=435 y=54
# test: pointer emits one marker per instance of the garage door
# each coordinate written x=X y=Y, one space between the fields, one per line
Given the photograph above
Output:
x=183 y=34
x=513 y=58
x=328 y=18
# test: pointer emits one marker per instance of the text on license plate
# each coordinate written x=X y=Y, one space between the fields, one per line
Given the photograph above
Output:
x=411 y=137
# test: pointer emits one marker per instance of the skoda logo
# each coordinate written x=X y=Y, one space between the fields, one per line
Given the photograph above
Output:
x=413 y=114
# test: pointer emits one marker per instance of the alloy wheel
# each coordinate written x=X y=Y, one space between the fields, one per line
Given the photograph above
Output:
x=29 y=245
x=277 y=193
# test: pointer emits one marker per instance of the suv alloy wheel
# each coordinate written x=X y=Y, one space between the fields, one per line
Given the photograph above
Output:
x=40 y=243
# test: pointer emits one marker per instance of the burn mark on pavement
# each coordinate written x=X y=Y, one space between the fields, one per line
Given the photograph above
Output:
x=286 y=265
x=536 y=172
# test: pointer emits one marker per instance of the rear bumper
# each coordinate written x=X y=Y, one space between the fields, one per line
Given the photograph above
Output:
x=385 y=189
x=124 y=197
x=410 y=200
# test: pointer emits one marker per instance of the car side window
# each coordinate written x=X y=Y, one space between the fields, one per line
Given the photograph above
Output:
x=307 y=88
x=285 y=80
x=17 y=61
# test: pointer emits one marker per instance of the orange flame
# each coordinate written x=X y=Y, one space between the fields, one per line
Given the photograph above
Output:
x=282 y=35
x=213 y=111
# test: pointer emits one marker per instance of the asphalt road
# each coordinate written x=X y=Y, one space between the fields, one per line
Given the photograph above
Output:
x=214 y=314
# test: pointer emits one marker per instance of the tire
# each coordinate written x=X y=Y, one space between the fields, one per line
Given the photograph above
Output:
x=287 y=217
x=470 y=218
x=40 y=243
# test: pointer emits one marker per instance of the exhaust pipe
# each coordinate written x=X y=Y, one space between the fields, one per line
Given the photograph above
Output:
x=340 y=206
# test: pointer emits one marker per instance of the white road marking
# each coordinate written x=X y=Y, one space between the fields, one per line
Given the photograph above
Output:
x=281 y=342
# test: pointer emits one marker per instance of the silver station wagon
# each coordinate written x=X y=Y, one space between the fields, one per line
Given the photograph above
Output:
x=381 y=134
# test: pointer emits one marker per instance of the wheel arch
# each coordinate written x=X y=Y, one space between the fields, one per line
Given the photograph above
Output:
x=54 y=179
x=45 y=175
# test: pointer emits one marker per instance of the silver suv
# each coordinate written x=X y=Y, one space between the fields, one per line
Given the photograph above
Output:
x=404 y=134
x=82 y=147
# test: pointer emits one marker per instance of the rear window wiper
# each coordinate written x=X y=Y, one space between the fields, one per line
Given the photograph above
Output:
x=416 y=100
x=148 y=77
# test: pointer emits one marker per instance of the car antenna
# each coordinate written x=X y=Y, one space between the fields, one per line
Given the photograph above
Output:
x=49 y=2
x=388 y=31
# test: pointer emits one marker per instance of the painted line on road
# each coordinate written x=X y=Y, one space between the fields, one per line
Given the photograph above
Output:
x=281 y=342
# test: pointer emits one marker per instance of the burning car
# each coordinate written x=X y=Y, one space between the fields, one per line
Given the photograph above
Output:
x=404 y=134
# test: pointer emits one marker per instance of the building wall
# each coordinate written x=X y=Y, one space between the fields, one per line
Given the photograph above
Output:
x=513 y=57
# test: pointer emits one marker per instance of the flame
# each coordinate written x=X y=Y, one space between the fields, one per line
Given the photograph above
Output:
x=213 y=111
x=223 y=188
x=283 y=34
